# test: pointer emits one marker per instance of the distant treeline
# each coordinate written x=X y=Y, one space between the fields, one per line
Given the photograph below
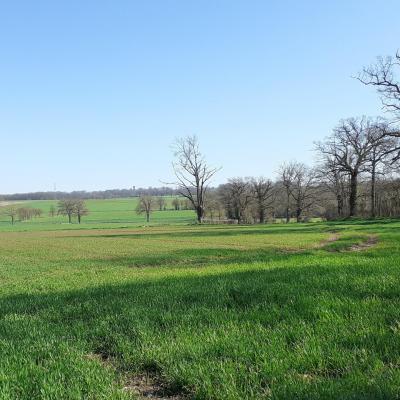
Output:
x=100 y=194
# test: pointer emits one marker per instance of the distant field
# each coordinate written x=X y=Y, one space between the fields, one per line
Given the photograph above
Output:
x=301 y=311
x=102 y=213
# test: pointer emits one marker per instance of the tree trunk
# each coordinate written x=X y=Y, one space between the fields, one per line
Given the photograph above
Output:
x=353 y=194
x=69 y=218
x=298 y=214
x=147 y=216
x=79 y=218
x=261 y=215
x=199 y=212
x=373 y=191
x=339 y=199
x=288 y=210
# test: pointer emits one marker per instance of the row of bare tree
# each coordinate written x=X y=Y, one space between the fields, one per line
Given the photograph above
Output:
x=357 y=169
x=21 y=213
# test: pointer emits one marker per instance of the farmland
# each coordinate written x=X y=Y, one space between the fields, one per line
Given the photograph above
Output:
x=107 y=213
x=204 y=312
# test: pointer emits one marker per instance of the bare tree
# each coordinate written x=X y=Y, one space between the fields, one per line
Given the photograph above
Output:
x=287 y=174
x=27 y=213
x=263 y=195
x=161 y=202
x=303 y=189
x=379 y=156
x=145 y=205
x=331 y=176
x=236 y=196
x=12 y=213
x=213 y=205
x=192 y=173
x=80 y=209
x=349 y=147
x=176 y=204
x=52 y=211
x=66 y=207
x=382 y=75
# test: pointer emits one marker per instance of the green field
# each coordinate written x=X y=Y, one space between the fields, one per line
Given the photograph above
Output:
x=206 y=312
x=102 y=213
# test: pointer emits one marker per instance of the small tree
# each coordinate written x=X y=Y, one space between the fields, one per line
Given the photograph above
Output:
x=176 y=204
x=11 y=212
x=52 y=211
x=161 y=202
x=80 y=209
x=145 y=205
x=67 y=208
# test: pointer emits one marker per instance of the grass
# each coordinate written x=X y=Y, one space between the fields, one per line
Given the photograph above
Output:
x=215 y=312
x=103 y=213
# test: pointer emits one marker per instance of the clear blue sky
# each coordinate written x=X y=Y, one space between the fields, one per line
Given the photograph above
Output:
x=93 y=93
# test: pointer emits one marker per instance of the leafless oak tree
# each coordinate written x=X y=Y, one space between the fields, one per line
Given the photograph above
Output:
x=382 y=75
x=349 y=147
x=192 y=173
x=264 y=196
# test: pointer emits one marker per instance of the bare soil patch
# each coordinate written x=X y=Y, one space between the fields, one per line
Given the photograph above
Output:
x=145 y=386
x=333 y=237
x=371 y=241
x=150 y=387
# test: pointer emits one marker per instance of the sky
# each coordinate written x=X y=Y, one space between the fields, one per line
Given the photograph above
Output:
x=93 y=93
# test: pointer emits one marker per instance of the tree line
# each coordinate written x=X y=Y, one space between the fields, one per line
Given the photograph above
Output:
x=356 y=172
x=84 y=195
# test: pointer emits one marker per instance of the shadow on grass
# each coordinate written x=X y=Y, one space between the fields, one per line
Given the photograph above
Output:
x=195 y=257
x=211 y=232
x=171 y=326
x=380 y=225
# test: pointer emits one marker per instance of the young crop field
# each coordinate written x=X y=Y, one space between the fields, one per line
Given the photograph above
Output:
x=181 y=311
x=102 y=213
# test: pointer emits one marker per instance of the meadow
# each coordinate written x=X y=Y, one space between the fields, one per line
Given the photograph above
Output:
x=120 y=310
